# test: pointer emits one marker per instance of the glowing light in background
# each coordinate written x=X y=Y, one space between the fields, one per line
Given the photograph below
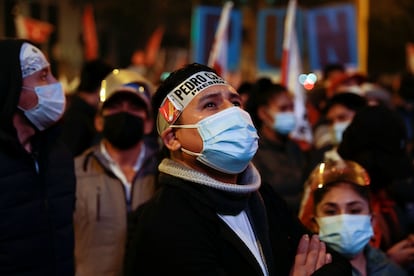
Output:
x=308 y=80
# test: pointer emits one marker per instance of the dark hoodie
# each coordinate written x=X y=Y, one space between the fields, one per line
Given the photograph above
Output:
x=37 y=189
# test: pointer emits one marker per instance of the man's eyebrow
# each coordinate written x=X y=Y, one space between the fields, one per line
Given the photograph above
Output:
x=234 y=96
x=210 y=95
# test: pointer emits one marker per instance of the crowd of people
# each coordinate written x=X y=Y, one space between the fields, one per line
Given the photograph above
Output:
x=192 y=176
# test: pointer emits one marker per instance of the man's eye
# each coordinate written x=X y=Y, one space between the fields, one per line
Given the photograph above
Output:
x=237 y=103
x=209 y=105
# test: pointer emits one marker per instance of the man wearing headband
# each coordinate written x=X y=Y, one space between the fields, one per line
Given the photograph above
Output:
x=208 y=218
x=36 y=171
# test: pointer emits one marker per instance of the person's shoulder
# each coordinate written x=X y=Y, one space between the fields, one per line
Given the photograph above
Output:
x=378 y=262
x=83 y=162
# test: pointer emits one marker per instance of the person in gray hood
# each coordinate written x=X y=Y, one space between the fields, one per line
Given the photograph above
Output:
x=115 y=176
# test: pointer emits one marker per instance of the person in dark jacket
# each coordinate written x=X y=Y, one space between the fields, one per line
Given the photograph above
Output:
x=208 y=217
x=36 y=170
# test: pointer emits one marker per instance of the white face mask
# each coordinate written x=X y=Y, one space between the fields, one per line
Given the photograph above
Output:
x=339 y=129
x=230 y=140
x=346 y=234
x=50 y=106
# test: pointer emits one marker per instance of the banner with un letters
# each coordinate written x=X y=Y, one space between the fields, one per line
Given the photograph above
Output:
x=326 y=35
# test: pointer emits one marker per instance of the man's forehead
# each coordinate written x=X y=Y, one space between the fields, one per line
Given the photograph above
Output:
x=219 y=90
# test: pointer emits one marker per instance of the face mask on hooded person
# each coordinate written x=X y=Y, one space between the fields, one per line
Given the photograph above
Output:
x=50 y=98
x=230 y=139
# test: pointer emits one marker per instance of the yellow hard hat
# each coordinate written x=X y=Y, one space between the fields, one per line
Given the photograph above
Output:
x=337 y=171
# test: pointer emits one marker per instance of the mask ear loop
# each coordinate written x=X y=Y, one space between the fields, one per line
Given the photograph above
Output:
x=184 y=126
x=191 y=152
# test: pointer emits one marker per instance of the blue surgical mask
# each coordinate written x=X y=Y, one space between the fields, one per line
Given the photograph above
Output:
x=339 y=129
x=346 y=234
x=50 y=106
x=284 y=122
x=230 y=140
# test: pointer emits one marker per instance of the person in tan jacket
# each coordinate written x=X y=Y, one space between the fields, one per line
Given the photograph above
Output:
x=115 y=176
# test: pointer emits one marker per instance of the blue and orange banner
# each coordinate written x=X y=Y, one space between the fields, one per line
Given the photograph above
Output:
x=327 y=35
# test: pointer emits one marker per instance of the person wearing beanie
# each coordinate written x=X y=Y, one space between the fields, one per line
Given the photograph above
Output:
x=36 y=169
x=208 y=217
x=78 y=130
x=115 y=176
x=377 y=139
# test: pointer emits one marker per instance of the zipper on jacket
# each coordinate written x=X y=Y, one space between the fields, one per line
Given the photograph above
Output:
x=259 y=246
x=98 y=203
x=35 y=162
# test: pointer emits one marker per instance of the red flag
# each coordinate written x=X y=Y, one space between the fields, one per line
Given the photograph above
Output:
x=291 y=69
x=153 y=46
x=32 y=29
x=90 y=37
x=409 y=48
x=218 y=53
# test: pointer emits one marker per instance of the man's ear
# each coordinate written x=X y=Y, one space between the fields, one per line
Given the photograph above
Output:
x=170 y=140
x=99 y=123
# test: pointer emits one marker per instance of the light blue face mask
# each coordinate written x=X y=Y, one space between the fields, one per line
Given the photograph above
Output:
x=230 y=140
x=284 y=122
x=339 y=129
x=50 y=106
x=346 y=234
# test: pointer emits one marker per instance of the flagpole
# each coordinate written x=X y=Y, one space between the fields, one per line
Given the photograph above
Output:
x=287 y=39
x=363 y=15
x=220 y=33
x=291 y=68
